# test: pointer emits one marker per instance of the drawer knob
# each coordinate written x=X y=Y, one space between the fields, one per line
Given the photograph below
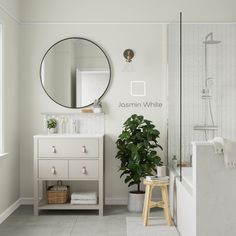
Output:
x=84 y=171
x=53 y=170
x=84 y=149
x=54 y=149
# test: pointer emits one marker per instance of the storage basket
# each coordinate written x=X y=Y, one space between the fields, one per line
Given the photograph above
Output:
x=57 y=196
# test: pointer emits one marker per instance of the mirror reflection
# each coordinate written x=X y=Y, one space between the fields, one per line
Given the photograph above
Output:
x=74 y=72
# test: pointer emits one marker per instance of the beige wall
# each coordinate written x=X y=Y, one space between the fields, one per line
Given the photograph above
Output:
x=123 y=10
x=146 y=40
x=9 y=167
x=10 y=7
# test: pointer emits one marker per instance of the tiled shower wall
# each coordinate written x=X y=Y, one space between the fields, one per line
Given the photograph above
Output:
x=221 y=67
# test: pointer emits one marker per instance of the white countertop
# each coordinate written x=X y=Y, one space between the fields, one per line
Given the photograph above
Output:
x=69 y=136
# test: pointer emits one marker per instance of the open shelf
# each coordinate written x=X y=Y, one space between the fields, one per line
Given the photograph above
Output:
x=43 y=205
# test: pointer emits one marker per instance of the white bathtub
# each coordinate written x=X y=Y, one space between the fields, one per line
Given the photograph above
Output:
x=203 y=204
x=182 y=200
x=187 y=175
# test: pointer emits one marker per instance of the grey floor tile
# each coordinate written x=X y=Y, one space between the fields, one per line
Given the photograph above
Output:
x=68 y=223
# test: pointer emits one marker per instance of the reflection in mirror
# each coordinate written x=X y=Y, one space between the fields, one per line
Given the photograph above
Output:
x=74 y=72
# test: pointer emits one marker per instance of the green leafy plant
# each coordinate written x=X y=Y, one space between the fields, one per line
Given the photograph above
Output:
x=137 y=145
x=51 y=123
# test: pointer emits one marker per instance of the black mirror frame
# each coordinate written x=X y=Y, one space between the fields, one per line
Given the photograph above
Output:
x=40 y=69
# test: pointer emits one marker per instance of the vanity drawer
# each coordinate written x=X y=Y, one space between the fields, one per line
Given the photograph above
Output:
x=53 y=169
x=83 y=169
x=64 y=147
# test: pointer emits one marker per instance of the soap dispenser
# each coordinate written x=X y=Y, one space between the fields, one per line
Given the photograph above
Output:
x=174 y=162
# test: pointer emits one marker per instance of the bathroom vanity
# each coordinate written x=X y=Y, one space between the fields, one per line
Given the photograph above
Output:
x=68 y=157
x=73 y=79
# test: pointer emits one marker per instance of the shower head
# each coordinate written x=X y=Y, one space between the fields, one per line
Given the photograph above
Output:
x=211 y=42
x=209 y=39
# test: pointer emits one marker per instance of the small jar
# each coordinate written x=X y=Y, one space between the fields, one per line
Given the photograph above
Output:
x=161 y=171
x=97 y=109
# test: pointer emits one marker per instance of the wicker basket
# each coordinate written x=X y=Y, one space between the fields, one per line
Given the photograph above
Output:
x=58 y=196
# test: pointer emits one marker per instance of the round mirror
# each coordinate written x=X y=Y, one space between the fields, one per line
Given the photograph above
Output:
x=74 y=72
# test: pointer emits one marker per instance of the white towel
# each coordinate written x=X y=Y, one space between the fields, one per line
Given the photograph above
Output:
x=59 y=188
x=83 y=202
x=218 y=143
x=230 y=153
x=84 y=196
x=165 y=178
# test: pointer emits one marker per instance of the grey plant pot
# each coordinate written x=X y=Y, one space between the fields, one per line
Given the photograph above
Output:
x=52 y=131
x=135 y=202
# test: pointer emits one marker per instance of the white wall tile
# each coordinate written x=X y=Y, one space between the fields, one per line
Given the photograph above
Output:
x=221 y=66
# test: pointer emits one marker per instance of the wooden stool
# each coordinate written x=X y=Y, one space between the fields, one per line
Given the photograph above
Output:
x=164 y=203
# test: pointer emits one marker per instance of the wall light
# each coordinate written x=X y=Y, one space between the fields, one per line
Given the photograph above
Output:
x=128 y=55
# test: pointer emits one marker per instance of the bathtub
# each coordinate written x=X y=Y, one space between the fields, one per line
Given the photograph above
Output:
x=182 y=200
x=187 y=175
x=203 y=204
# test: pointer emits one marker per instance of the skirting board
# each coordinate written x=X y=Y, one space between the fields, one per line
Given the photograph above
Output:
x=116 y=201
x=26 y=201
x=9 y=211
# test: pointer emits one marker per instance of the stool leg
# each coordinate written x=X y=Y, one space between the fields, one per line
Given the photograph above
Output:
x=147 y=204
x=163 y=199
x=145 y=201
x=166 y=205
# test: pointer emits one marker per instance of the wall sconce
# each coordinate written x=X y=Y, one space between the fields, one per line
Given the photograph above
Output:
x=128 y=55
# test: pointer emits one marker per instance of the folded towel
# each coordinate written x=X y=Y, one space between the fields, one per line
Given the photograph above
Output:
x=218 y=143
x=59 y=188
x=83 y=202
x=165 y=178
x=84 y=196
x=230 y=153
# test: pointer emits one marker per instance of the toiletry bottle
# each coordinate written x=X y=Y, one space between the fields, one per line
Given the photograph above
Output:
x=63 y=125
x=74 y=126
x=174 y=162
x=66 y=130
x=77 y=126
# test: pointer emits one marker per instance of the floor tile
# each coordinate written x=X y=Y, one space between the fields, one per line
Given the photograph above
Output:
x=69 y=223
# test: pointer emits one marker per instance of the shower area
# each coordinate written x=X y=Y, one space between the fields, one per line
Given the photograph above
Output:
x=201 y=106
x=202 y=103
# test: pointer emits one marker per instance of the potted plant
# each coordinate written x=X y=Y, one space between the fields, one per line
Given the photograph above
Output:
x=137 y=145
x=51 y=125
x=97 y=106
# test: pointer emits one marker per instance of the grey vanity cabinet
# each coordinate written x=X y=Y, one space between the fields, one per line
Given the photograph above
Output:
x=70 y=158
